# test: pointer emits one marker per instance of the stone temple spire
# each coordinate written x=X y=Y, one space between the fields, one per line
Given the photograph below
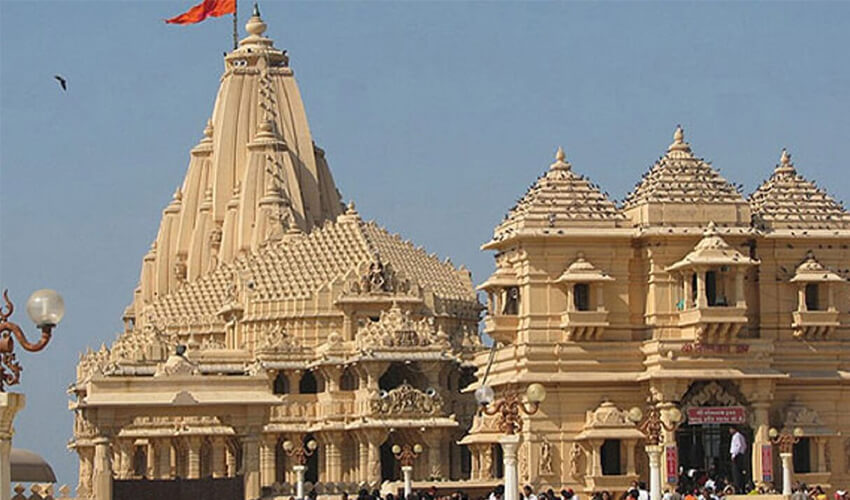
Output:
x=256 y=172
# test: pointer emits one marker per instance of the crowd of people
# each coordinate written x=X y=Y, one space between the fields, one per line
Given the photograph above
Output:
x=708 y=489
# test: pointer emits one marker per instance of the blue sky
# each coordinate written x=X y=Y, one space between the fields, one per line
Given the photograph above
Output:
x=435 y=117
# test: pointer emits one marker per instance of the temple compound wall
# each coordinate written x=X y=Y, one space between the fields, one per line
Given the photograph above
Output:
x=733 y=310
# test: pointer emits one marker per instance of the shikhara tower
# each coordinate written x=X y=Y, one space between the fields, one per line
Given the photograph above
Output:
x=301 y=321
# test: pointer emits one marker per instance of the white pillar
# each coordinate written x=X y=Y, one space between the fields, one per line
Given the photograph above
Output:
x=510 y=444
x=299 y=481
x=654 y=452
x=10 y=404
x=787 y=471
x=407 y=471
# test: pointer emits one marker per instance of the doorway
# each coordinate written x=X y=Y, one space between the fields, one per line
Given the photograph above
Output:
x=704 y=448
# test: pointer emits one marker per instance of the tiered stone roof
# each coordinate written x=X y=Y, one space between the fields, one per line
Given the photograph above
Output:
x=560 y=199
x=680 y=177
x=788 y=201
x=300 y=265
x=712 y=250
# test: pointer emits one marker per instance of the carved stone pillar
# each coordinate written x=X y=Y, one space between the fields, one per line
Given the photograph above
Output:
x=230 y=464
x=761 y=426
x=702 y=299
x=333 y=456
x=267 y=459
x=595 y=464
x=433 y=440
x=740 y=296
x=373 y=470
x=84 y=487
x=219 y=465
x=193 y=457
x=251 y=465
x=362 y=459
x=102 y=470
x=630 y=457
x=475 y=458
x=124 y=468
x=294 y=379
x=162 y=468
x=820 y=444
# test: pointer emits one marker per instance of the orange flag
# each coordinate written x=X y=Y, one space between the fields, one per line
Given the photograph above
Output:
x=205 y=9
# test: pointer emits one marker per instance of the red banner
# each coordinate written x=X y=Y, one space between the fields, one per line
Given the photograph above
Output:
x=672 y=455
x=767 y=463
x=717 y=415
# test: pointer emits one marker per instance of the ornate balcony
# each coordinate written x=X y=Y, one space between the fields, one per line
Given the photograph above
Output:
x=713 y=323
x=815 y=324
x=501 y=327
x=584 y=325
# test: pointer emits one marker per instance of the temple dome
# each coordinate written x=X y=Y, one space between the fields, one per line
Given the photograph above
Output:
x=788 y=201
x=684 y=190
x=255 y=175
x=560 y=200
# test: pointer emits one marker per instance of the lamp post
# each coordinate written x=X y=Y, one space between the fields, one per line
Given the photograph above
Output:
x=785 y=441
x=651 y=425
x=300 y=454
x=406 y=455
x=508 y=409
x=45 y=308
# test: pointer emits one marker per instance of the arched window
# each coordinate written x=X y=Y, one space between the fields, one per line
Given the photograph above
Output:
x=348 y=381
x=611 y=457
x=281 y=383
x=308 y=383
x=312 y=472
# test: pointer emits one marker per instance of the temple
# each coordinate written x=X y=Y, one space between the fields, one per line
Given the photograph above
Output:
x=731 y=310
x=268 y=311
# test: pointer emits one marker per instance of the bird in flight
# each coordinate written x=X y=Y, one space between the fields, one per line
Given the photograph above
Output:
x=62 y=82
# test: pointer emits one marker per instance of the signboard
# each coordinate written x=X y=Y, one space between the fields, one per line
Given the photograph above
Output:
x=767 y=463
x=672 y=455
x=717 y=415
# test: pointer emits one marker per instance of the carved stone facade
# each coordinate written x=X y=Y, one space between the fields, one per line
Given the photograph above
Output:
x=268 y=311
x=689 y=293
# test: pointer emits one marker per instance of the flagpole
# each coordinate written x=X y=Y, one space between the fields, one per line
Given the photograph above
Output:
x=235 y=23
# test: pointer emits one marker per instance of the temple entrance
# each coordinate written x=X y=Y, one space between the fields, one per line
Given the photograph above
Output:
x=710 y=409
x=704 y=448
x=390 y=468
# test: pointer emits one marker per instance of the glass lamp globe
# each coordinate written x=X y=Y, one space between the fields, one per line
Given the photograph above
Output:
x=45 y=308
x=396 y=449
x=484 y=395
x=535 y=393
x=417 y=448
x=635 y=414
x=287 y=445
x=312 y=445
x=798 y=432
x=675 y=415
x=773 y=432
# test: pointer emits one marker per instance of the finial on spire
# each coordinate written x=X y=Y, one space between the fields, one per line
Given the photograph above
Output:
x=560 y=160
x=351 y=210
x=679 y=143
x=208 y=129
x=785 y=166
x=255 y=26
x=178 y=194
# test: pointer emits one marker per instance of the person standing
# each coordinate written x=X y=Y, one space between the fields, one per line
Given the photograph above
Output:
x=737 y=451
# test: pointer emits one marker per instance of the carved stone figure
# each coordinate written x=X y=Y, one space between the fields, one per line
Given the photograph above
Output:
x=576 y=453
x=546 y=468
